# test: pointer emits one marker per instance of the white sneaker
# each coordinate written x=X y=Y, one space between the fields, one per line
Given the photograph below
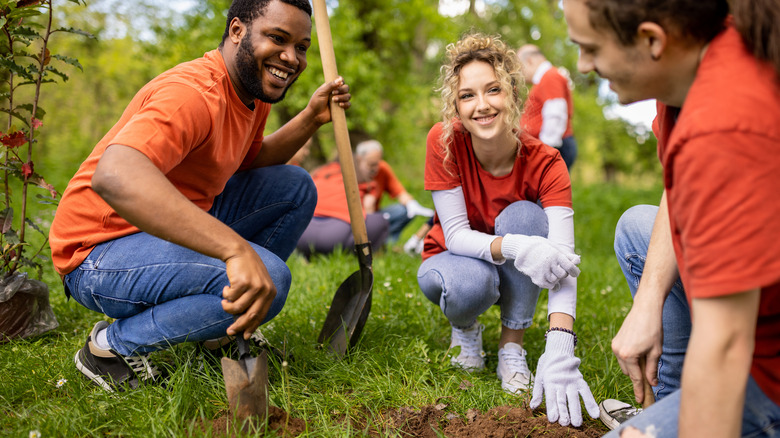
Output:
x=513 y=369
x=471 y=357
x=613 y=413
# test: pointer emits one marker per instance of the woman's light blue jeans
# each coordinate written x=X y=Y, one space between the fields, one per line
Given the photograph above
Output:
x=761 y=417
x=163 y=294
x=465 y=287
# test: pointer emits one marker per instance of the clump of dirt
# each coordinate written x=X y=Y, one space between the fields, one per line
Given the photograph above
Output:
x=278 y=421
x=499 y=422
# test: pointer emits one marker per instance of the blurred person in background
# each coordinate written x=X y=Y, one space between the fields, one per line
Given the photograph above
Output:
x=549 y=107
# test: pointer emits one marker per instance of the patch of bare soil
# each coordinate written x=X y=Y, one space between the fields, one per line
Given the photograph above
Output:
x=278 y=421
x=499 y=422
x=431 y=422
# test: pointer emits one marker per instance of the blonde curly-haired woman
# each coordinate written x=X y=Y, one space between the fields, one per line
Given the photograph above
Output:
x=504 y=228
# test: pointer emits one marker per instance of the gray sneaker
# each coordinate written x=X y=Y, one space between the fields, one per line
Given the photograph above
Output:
x=110 y=370
x=613 y=413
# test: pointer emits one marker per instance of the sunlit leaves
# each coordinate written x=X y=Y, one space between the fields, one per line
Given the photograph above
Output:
x=28 y=63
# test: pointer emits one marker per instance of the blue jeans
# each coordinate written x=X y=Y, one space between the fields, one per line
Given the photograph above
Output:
x=163 y=294
x=397 y=218
x=632 y=238
x=568 y=151
x=761 y=416
x=465 y=287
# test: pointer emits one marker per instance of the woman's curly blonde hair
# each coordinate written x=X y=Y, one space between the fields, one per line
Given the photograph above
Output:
x=486 y=48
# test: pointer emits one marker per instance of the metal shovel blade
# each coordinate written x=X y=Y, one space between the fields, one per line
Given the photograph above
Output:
x=246 y=384
x=349 y=310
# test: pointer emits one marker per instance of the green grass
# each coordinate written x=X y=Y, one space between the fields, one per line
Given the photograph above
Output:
x=401 y=359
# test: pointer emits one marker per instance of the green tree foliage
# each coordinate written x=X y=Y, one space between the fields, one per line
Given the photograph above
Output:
x=389 y=51
x=28 y=63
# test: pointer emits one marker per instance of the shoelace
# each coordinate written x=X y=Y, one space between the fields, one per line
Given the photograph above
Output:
x=470 y=341
x=143 y=367
x=515 y=361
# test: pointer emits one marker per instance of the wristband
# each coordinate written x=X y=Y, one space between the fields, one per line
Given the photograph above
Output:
x=561 y=329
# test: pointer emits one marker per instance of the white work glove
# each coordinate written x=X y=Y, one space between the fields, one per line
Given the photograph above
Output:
x=542 y=261
x=413 y=208
x=414 y=245
x=558 y=378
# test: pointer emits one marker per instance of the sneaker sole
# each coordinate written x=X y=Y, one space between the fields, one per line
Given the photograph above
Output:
x=607 y=419
x=92 y=376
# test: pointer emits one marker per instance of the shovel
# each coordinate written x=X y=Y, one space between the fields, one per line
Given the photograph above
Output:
x=246 y=382
x=352 y=302
x=649 y=397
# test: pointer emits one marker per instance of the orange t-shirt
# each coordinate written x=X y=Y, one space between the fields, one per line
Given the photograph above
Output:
x=191 y=124
x=332 y=198
x=539 y=174
x=553 y=85
x=721 y=160
x=385 y=181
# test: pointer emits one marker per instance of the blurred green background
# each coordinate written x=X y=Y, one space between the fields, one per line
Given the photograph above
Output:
x=388 y=51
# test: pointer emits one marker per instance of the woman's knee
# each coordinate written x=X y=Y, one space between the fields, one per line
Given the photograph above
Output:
x=522 y=217
x=456 y=287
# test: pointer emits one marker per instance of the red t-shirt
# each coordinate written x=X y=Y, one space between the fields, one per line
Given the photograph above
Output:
x=553 y=85
x=539 y=174
x=191 y=124
x=721 y=160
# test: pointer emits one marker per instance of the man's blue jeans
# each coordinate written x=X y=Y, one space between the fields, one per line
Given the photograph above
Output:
x=163 y=294
x=761 y=416
x=465 y=287
x=397 y=218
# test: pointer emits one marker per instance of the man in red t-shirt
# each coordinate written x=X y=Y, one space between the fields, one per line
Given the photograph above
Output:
x=179 y=222
x=330 y=228
x=704 y=266
x=381 y=180
x=548 y=108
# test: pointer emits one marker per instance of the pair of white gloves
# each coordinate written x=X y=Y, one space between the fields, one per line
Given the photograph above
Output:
x=544 y=262
x=558 y=378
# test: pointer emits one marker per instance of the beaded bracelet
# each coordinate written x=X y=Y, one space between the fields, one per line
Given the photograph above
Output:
x=561 y=329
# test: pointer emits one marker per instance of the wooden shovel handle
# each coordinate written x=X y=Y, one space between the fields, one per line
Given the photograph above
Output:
x=649 y=397
x=340 y=125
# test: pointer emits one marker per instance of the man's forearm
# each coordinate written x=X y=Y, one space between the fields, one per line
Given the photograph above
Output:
x=280 y=146
x=130 y=183
x=717 y=365
x=660 y=270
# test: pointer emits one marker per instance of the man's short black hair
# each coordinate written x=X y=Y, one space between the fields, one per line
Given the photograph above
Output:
x=248 y=10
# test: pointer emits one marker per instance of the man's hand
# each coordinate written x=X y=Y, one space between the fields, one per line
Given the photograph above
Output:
x=319 y=104
x=640 y=339
x=249 y=294
x=632 y=432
